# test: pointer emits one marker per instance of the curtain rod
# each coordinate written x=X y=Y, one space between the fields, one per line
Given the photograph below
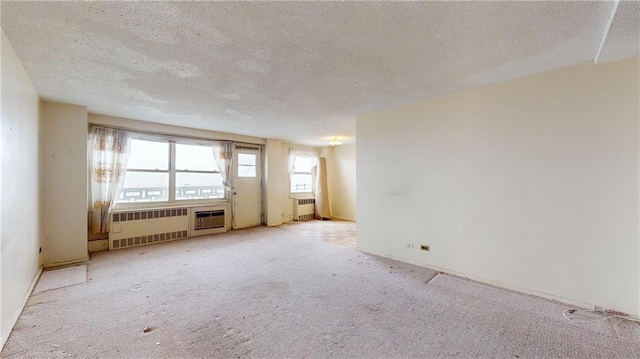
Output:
x=165 y=135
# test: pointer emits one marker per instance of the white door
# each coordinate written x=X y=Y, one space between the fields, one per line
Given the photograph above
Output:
x=247 y=187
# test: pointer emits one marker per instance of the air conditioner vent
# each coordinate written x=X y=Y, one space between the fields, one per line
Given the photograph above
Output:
x=209 y=219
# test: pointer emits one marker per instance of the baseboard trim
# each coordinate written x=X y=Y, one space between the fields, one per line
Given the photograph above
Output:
x=344 y=219
x=502 y=285
x=98 y=245
x=23 y=302
x=72 y=261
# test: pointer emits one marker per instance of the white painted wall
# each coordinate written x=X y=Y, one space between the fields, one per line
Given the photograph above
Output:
x=64 y=177
x=531 y=183
x=275 y=175
x=342 y=171
x=19 y=198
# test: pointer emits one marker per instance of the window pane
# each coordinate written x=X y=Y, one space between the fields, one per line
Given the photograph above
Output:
x=246 y=165
x=302 y=164
x=198 y=186
x=195 y=158
x=149 y=155
x=301 y=183
x=246 y=171
x=246 y=159
x=144 y=187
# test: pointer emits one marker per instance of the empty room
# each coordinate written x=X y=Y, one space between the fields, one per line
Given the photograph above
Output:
x=320 y=179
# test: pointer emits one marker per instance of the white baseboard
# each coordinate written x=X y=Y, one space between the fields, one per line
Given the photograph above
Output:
x=72 y=261
x=344 y=219
x=16 y=315
x=501 y=284
x=98 y=245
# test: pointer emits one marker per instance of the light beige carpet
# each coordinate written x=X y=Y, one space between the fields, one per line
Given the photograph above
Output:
x=270 y=293
x=62 y=277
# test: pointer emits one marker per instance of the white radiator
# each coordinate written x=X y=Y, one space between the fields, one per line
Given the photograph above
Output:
x=303 y=209
x=140 y=227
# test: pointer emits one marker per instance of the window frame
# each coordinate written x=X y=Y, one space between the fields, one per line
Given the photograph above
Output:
x=172 y=171
x=238 y=165
x=312 y=193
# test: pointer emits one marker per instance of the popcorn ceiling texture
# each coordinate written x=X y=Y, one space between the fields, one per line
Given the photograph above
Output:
x=299 y=72
x=623 y=39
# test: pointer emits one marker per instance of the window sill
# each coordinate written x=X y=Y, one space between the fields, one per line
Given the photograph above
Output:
x=302 y=195
x=177 y=204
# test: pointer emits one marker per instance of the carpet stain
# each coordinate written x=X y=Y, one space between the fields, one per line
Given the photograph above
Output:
x=138 y=286
x=375 y=308
x=272 y=289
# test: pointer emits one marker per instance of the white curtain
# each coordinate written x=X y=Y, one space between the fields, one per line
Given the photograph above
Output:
x=296 y=153
x=223 y=155
x=322 y=192
x=108 y=164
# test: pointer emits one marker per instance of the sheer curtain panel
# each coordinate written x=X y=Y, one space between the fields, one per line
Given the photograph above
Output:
x=223 y=155
x=300 y=154
x=108 y=164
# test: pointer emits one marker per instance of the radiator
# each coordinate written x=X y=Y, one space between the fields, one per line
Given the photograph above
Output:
x=140 y=227
x=303 y=209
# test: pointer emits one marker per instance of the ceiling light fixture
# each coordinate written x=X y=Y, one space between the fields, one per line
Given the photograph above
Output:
x=335 y=142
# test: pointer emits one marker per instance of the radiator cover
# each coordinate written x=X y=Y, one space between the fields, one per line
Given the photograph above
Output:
x=304 y=209
x=141 y=227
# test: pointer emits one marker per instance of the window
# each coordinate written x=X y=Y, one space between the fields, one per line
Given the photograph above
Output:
x=246 y=165
x=301 y=164
x=197 y=175
x=163 y=170
x=147 y=176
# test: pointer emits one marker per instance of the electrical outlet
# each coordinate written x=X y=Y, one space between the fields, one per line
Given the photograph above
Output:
x=410 y=245
x=424 y=247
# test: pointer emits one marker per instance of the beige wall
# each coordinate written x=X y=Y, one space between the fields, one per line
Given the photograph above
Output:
x=342 y=170
x=64 y=175
x=274 y=176
x=128 y=124
x=531 y=183
x=19 y=189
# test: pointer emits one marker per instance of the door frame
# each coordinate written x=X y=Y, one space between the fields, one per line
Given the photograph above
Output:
x=259 y=174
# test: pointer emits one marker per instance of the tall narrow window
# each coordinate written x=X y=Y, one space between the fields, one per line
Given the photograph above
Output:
x=301 y=164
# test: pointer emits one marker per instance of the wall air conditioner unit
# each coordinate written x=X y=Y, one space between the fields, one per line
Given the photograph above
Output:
x=208 y=220
x=304 y=209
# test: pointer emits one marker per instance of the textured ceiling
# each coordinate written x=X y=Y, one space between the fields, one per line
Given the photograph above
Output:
x=295 y=71
x=623 y=37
